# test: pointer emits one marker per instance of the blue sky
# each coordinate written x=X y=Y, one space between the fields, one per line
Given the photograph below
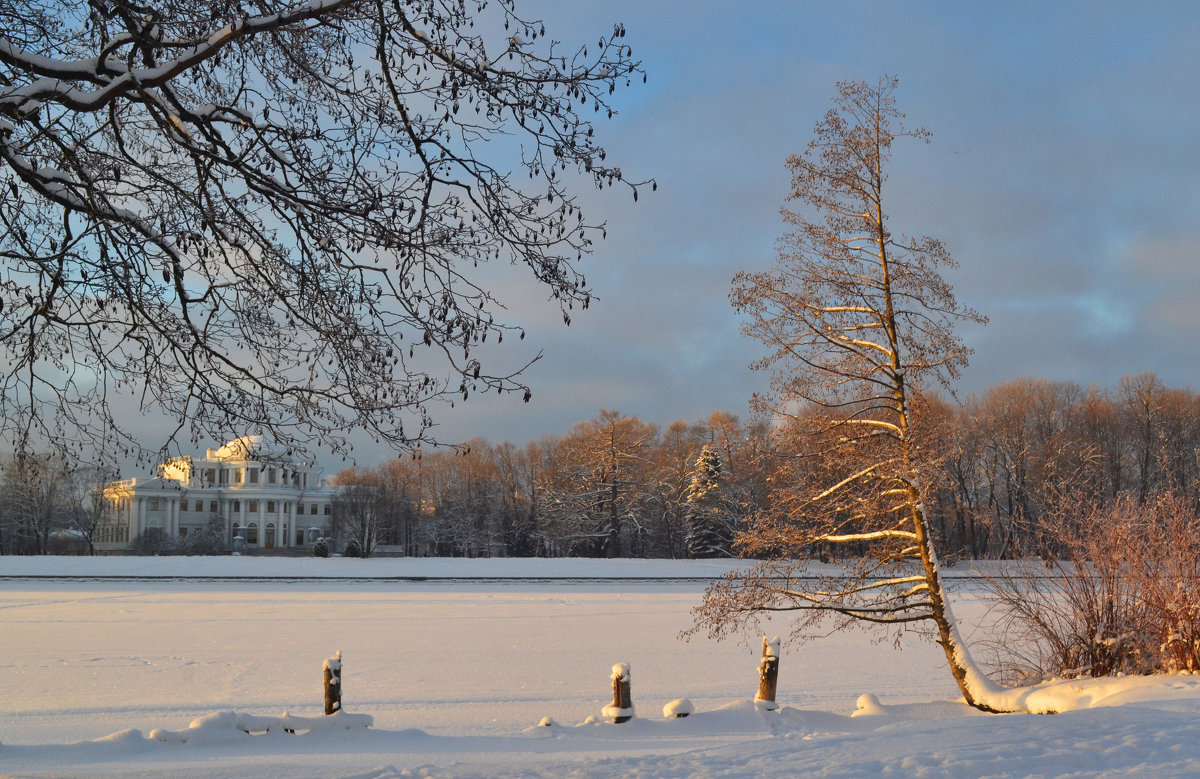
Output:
x=1063 y=173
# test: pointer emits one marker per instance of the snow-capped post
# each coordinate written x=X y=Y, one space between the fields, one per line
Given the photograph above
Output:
x=621 y=709
x=768 y=675
x=333 y=683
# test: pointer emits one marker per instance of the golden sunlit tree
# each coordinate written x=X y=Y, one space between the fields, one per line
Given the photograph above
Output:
x=858 y=321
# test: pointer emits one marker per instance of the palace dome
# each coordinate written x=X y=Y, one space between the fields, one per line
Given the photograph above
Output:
x=252 y=447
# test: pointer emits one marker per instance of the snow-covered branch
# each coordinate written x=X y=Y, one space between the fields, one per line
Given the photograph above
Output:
x=273 y=220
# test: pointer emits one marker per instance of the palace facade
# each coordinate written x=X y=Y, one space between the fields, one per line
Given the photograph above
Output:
x=250 y=486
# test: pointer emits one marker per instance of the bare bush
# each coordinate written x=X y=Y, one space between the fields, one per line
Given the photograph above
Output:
x=1121 y=596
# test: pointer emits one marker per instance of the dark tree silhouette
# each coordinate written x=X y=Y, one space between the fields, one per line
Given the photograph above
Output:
x=271 y=217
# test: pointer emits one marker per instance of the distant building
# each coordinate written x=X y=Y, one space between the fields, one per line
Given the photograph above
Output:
x=251 y=485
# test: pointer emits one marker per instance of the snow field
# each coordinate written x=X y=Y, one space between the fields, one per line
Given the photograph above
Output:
x=456 y=677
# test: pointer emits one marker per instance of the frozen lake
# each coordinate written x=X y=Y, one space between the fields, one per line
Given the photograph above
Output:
x=471 y=665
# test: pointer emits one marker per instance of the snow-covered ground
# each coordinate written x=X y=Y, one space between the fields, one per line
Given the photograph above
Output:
x=157 y=678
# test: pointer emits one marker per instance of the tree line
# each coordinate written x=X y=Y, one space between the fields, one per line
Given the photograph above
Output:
x=1012 y=460
x=613 y=486
x=1026 y=453
x=48 y=505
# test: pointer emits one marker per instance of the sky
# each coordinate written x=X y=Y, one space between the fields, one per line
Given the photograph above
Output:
x=1063 y=174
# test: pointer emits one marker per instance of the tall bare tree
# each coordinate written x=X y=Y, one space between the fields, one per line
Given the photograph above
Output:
x=360 y=512
x=33 y=501
x=271 y=216
x=85 y=504
x=609 y=458
x=857 y=320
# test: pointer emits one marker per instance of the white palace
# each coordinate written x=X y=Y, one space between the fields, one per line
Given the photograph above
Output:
x=255 y=489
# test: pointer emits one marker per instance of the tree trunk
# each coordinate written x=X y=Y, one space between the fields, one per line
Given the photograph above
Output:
x=978 y=691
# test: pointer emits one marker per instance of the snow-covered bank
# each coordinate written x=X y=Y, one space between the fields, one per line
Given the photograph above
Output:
x=737 y=740
x=230 y=566
x=374 y=567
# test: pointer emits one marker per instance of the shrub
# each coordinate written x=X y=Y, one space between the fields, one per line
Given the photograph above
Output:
x=208 y=540
x=321 y=548
x=151 y=541
x=352 y=549
x=1122 y=596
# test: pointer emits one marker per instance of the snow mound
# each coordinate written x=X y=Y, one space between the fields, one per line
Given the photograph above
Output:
x=869 y=706
x=230 y=727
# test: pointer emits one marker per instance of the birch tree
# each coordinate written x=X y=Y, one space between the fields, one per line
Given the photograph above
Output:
x=272 y=217
x=857 y=320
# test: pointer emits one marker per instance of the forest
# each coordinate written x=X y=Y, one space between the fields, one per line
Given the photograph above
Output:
x=1013 y=462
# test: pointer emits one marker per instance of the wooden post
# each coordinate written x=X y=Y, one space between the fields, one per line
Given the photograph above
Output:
x=621 y=709
x=768 y=674
x=333 y=683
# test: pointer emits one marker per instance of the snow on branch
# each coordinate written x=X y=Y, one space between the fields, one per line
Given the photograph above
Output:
x=256 y=230
x=857 y=325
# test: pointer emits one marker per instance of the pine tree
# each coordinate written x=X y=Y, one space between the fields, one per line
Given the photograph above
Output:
x=708 y=533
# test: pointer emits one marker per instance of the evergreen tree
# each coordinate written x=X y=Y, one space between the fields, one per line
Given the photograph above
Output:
x=708 y=532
